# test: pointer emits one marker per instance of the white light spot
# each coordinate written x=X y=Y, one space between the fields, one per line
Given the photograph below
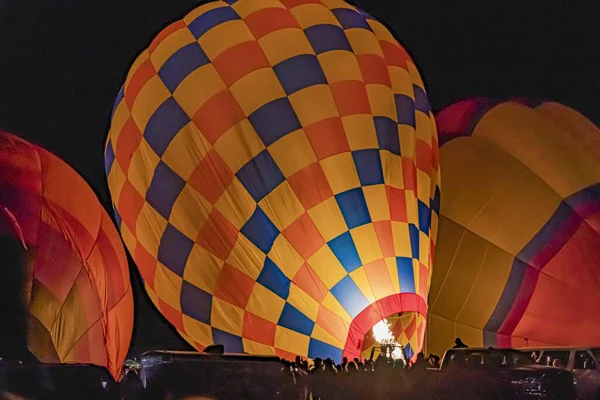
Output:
x=382 y=332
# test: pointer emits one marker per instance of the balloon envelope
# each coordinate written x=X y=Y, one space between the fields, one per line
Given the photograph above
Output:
x=274 y=168
x=518 y=261
x=75 y=277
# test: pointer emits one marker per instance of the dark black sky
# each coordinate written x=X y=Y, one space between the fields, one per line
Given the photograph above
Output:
x=63 y=61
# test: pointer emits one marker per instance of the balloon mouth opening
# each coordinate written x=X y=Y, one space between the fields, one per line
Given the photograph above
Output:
x=370 y=323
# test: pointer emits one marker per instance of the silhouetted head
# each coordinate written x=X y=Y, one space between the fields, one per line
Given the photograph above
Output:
x=215 y=349
x=352 y=367
x=385 y=364
x=433 y=360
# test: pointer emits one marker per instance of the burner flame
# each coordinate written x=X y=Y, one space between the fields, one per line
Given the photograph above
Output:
x=384 y=336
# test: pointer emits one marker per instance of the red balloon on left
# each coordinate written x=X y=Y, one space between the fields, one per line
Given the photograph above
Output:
x=69 y=287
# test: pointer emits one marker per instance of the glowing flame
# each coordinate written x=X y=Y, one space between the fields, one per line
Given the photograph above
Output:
x=397 y=354
x=382 y=332
x=383 y=335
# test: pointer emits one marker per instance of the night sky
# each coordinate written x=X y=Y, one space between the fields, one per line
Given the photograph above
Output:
x=62 y=63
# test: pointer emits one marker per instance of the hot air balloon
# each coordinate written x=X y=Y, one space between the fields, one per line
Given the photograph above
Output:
x=74 y=276
x=518 y=261
x=274 y=168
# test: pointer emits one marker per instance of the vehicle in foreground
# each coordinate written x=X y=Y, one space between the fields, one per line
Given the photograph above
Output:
x=57 y=381
x=223 y=376
x=513 y=368
x=584 y=363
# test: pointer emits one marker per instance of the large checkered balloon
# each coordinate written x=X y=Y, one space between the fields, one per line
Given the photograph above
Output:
x=274 y=169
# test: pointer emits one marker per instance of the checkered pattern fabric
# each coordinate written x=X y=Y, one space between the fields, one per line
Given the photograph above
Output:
x=76 y=277
x=274 y=166
x=408 y=329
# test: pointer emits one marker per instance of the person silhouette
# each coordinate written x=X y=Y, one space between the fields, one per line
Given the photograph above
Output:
x=318 y=366
x=459 y=344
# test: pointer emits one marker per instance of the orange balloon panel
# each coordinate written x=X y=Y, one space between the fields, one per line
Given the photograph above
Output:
x=518 y=260
x=77 y=283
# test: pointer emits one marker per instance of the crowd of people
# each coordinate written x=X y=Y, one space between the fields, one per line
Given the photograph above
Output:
x=381 y=378
x=302 y=367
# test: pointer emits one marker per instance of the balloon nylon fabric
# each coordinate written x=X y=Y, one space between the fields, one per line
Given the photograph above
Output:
x=274 y=168
x=518 y=262
x=76 y=277
x=407 y=329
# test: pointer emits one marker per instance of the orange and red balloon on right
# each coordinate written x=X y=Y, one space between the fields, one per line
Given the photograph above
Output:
x=518 y=256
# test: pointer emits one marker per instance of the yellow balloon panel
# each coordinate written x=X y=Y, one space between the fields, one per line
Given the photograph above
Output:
x=456 y=291
x=510 y=204
x=532 y=139
x=583 y=131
